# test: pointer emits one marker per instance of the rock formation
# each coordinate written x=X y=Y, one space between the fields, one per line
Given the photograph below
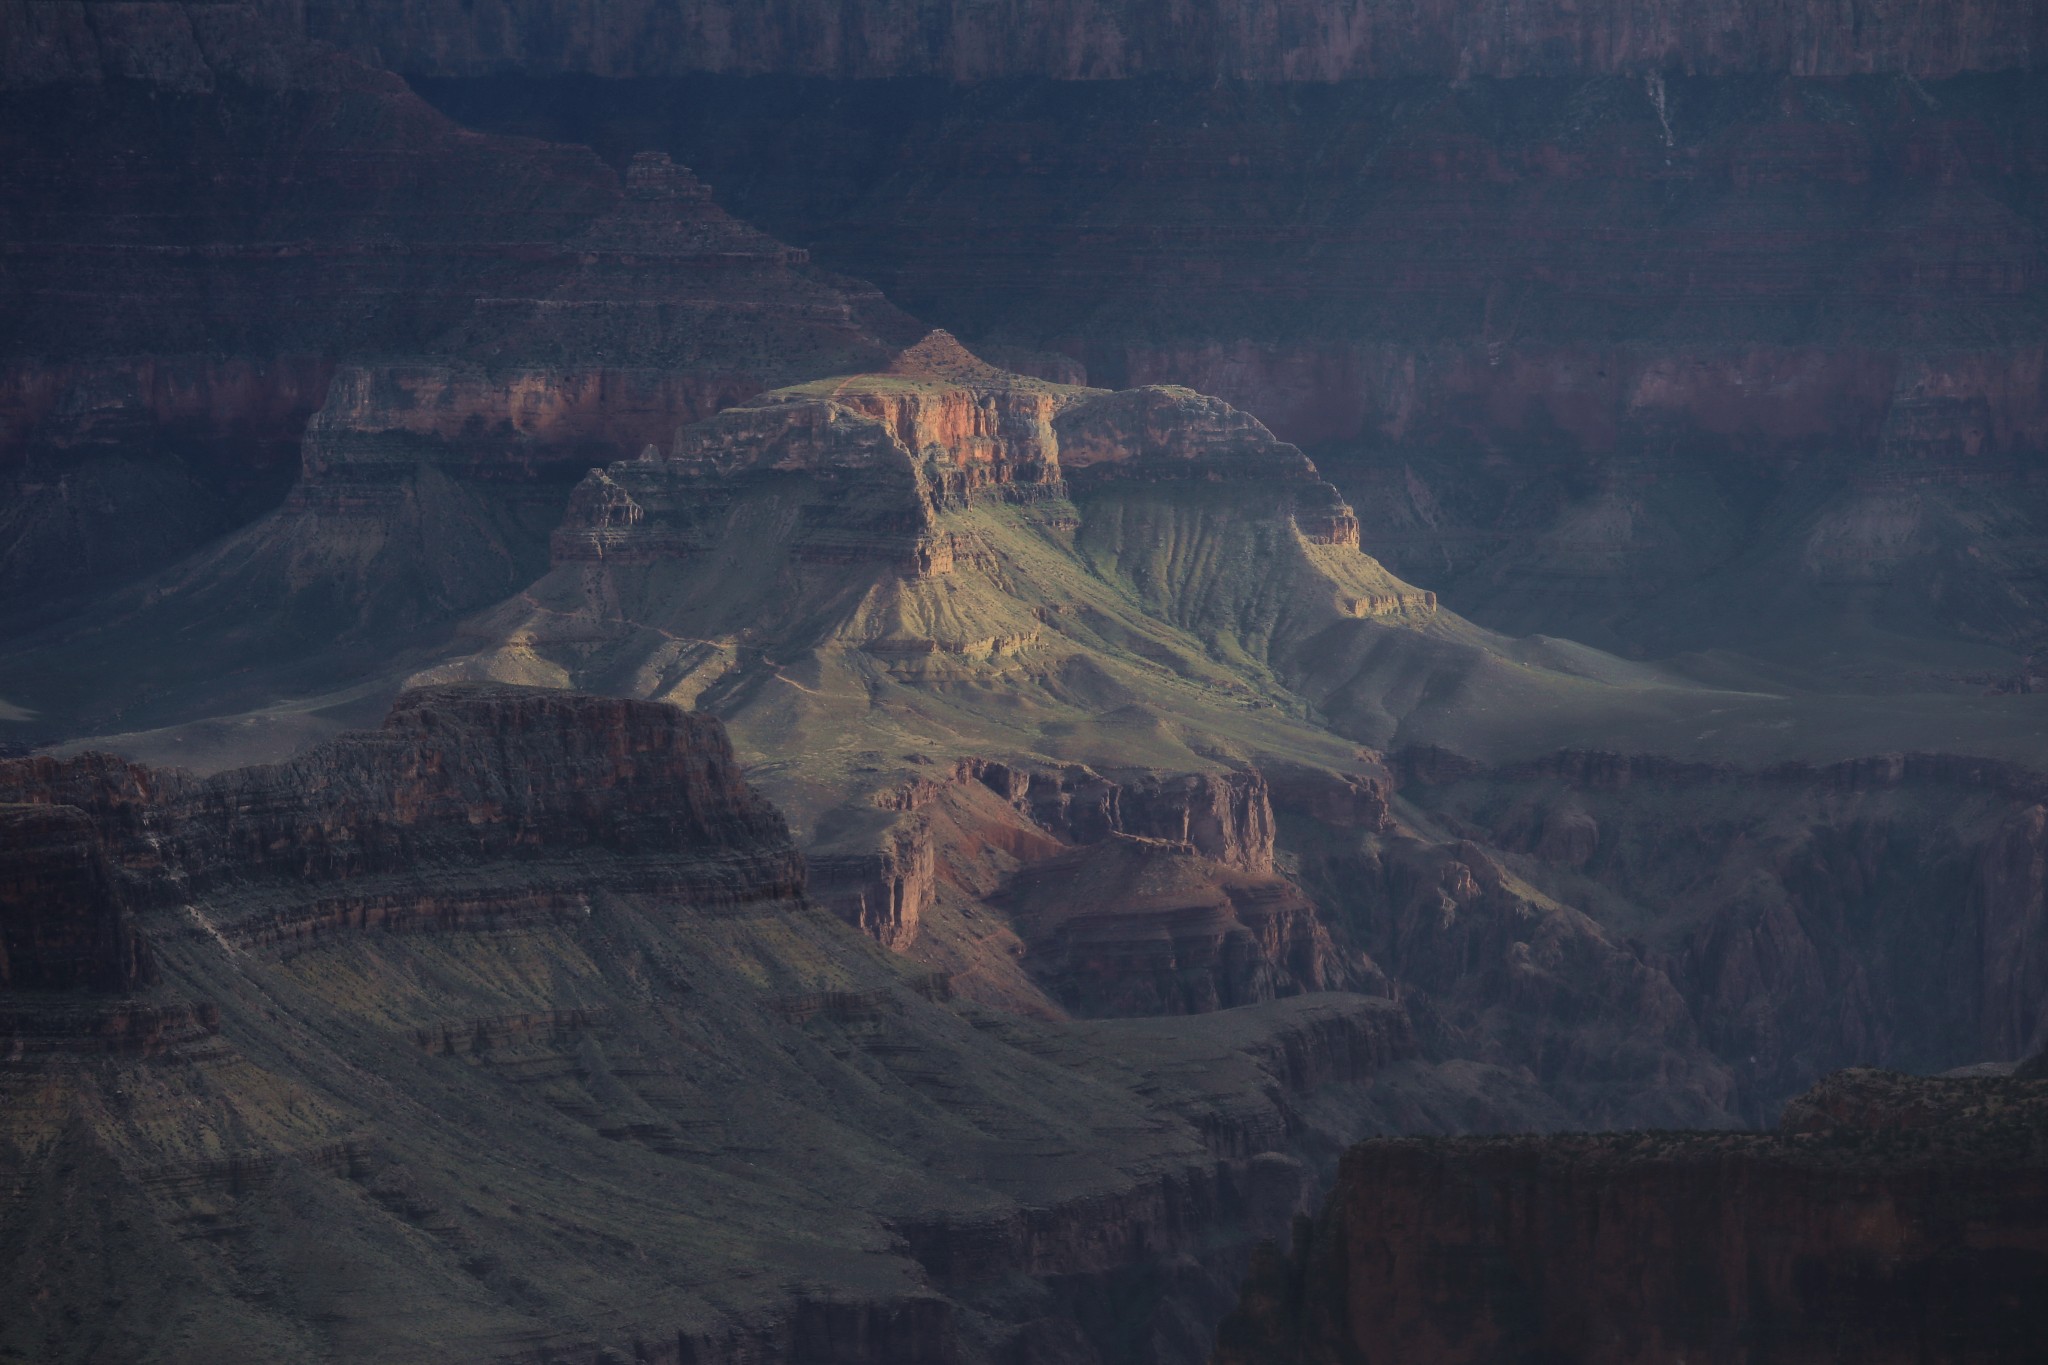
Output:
x=915 y=529
x=63 y=923
x=474 y=778
x=1892 y=1218
x=893 y=560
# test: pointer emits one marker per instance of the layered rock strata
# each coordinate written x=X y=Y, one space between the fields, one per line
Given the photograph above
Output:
x=935 y=432
x=1891 y=1218
x=63 y=922
x=1155 y=895
x=902 y=556
x=461 y=776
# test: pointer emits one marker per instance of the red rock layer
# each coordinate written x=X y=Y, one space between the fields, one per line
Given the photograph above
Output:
x=884 y=455
x=1761 y=266
x=1137 y=926
x=1152 y=895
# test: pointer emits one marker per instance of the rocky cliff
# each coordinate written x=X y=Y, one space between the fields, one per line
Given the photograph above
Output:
x=63 y=922
x=1153 y=895
x=1293 y=40
x=464 y=778
x=1892 y=1219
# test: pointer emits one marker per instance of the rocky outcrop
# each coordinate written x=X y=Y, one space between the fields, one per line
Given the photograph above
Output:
x=1172 y=433
x=1892 y=1219
x=63 y=920
x=1146 y=926
x=510 y=786
x=1335 y=800
x=1227 y=817
x=1143 y=896
x=885 y=455
x=1295 y=40
x=879 y=458
x=883 y=894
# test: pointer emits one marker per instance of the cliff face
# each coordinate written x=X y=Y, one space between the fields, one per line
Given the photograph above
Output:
x=880 y=459
x=63 y=922
x=1155 y=895
x=1145 y=926
x=1894 y=1220
x=509 y=786
x=1295 y=40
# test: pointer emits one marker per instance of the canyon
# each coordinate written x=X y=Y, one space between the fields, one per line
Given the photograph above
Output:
x=786 y=682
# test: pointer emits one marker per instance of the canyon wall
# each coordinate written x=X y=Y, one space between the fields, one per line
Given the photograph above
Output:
x=64 y=924
x=483 y=305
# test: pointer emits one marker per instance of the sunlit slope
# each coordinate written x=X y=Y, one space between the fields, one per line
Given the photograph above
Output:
x=950 y=561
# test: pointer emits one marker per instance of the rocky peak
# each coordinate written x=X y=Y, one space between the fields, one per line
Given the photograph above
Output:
x=653 y=176
x=939 y=355
x=668 y=212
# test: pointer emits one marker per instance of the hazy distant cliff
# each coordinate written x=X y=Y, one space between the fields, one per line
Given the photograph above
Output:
x=1108 y=39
